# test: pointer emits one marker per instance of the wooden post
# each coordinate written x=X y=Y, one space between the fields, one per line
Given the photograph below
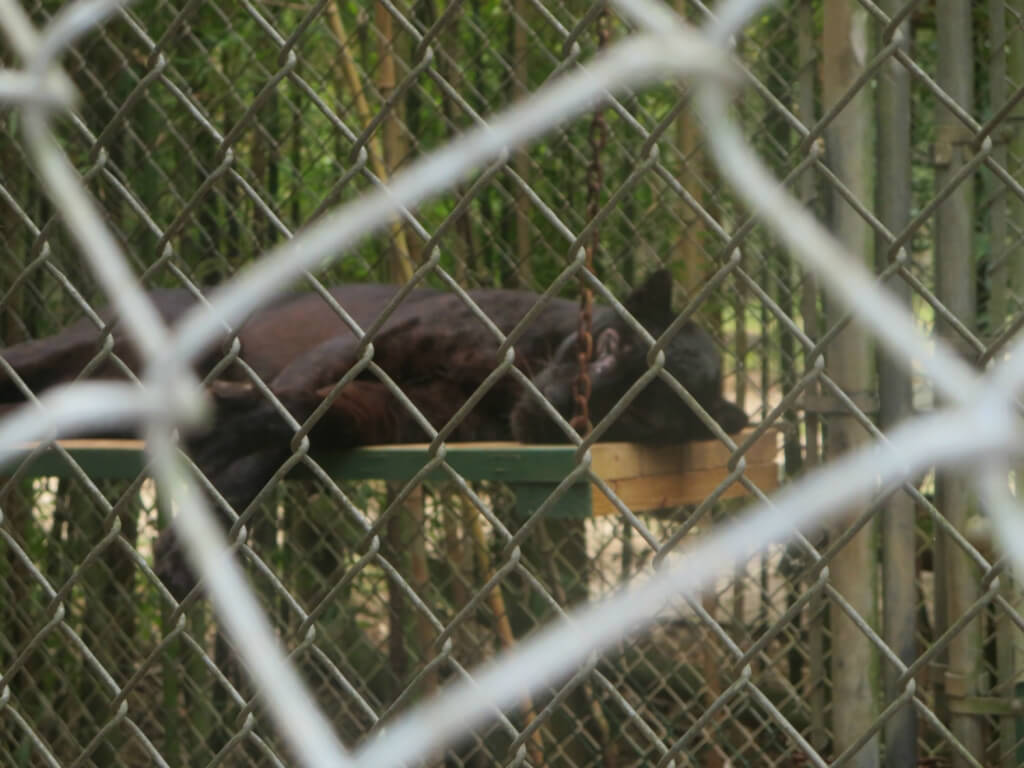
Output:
x=814 y=687
x=1009 y=657
x=1015 y=276
x=1015 y=69
x=955 y=289
x=849 y=151
x=899 y=548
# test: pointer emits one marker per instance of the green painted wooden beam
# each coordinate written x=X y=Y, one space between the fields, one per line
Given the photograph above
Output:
x=506 y=462
x=118 y=460
x=532 y=471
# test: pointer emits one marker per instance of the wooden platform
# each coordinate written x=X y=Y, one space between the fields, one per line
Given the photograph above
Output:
x=645 y=477
x=655 y=477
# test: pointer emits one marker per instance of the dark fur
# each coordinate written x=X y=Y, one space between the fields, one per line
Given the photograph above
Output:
x=271 y=339
x=61 y=358
x=438 y=353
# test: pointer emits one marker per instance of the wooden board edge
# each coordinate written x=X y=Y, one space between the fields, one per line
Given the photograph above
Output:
x=645 y=494
x=615 y=461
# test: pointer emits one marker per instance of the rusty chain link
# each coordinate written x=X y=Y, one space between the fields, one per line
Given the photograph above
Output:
x=598 y=137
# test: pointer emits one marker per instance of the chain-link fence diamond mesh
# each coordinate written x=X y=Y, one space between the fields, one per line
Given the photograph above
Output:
x=209 y=132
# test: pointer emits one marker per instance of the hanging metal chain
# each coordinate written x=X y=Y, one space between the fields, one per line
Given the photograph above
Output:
x=595 y=180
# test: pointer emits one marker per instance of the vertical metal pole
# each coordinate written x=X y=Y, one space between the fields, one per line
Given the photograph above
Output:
x=955 y=288
x=850 y=154
x=899 y=616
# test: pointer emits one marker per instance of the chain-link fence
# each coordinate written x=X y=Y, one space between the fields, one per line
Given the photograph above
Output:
x=209 y=133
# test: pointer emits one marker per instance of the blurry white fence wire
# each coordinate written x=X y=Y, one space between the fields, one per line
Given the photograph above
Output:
x=980 y=434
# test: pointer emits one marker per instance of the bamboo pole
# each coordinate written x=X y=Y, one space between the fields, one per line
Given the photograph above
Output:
x=419 y=571
x=503 y=627
x=394 y=149
x=520 y=158
x=401 y=267
x=692 y=166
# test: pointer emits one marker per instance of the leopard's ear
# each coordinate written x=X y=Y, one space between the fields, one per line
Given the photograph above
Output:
x=651 y=303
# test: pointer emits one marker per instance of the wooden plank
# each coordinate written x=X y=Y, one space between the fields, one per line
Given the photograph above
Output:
x=507 y=462
x=644 y=494
x=645 y=477
x=613 y=461
x=100 y=459
x=476 y=461
x=574 y=503
x=104 y=444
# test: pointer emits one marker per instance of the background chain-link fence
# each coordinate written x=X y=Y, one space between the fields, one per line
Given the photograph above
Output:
x=208 y=132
